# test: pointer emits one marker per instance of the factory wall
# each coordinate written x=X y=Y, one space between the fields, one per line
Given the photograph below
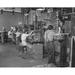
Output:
x=7 y=20
x=49 y=18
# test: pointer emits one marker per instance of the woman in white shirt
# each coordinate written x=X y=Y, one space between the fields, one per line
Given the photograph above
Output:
x=18 y=36
x=10 y=34
x=24 y=43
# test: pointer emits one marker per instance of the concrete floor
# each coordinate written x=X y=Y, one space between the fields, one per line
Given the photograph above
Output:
x=9 y=58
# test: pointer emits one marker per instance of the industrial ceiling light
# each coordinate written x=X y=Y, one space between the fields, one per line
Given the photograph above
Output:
x=44 y=10
x=41 y=9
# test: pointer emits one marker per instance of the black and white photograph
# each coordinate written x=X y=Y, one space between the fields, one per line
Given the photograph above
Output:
x=37 y=37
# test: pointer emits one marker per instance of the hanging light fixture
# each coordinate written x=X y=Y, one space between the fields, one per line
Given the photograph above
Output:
x=41 y=9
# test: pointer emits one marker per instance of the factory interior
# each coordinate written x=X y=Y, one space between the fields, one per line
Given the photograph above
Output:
x=37 y=37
